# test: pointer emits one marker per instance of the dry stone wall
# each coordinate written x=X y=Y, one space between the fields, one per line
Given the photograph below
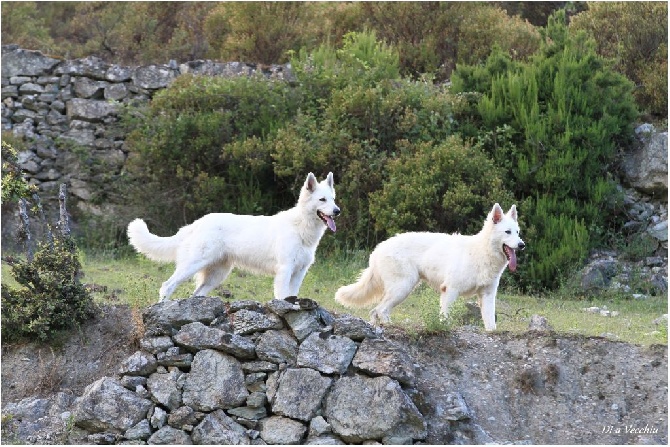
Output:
x=287 y=372
x=68 y=112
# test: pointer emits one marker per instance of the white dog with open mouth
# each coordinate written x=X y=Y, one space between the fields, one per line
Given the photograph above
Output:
x=453 y=264
x=282 y=245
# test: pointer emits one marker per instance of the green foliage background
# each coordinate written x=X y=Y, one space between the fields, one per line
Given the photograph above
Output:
x=535 y=115
x=431 y=37
x=566 y=115
x=407 y=154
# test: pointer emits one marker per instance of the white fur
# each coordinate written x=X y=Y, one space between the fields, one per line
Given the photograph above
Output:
x=282 y=245
x=453 y=264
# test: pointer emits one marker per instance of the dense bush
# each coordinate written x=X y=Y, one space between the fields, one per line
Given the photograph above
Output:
x=635 y=36
x=430 y=37
x=407 y=155
x=245 y=145
x=434 y=36
x=51 y=298
x=568 y=113
x=202 y=148
x=447 y=187
x=263 y=32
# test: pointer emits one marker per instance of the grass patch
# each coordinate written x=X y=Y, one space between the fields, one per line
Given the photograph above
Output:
x=135 y=281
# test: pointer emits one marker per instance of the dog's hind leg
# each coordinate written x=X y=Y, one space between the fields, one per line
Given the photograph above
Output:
x=183 y=272
x=393 y=295
x=208 y=278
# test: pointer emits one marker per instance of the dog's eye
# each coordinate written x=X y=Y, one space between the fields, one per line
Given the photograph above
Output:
x=322 y=199
x=508 y=231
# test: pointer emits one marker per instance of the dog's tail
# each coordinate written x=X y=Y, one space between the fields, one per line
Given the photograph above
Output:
x=365 y=291
x=162 y=249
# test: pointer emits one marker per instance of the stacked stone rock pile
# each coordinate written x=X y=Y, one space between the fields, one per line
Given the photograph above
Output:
x=287 y=372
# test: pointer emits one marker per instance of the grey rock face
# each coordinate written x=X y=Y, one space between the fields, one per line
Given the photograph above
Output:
x=107 y=406
x=384 y=357
x=165 y=389
x=161 y=318
x=247 y=321
x=153 y=76
x=139 y=364
x=300 y=393
x=26 y=63
x=216 y=381
x=155 y=345
x=360 y=408
x=198 y=336
x=355 y=328
x=139 y=432
x=277 y=347
x=169 y=436
x=219 y=429
x=646 y=168
x=328 y=353
x=183 y=417
x=90 y=110
x=90 y=67
x=303 y=323
x=281 y=430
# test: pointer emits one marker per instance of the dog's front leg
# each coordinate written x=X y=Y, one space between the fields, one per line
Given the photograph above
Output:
x=296 y=281
x=282 y=283
x=488 y=308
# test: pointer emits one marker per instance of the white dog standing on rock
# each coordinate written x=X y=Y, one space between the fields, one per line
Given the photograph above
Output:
x=282 y=245
x=452 y=264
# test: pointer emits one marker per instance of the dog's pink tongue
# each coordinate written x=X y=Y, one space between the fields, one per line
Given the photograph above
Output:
x=512 y=259
x=331 y=224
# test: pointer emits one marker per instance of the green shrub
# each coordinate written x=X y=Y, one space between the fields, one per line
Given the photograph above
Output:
x=568 y=113
x=202 y=148
x=262 y=31
x=432 y=37
x=361 y=60
x=52 y=297
x=14 y=185
x=360 y=130
x=634 y=35
x=444 y=188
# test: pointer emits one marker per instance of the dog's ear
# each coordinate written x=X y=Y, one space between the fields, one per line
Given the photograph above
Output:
x=310 y=182
x=329 y=181
x=497 y=213
x=512 y=213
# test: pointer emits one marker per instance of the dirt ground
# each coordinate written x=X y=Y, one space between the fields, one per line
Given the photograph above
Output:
x=539 y=388
x=70 y=364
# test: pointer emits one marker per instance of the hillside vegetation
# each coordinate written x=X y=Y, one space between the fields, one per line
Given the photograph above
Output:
x=431 y=37
x=407 y=154
x=532 y=114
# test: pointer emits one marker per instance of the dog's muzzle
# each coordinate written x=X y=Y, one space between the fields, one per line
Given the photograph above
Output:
x=510 y=254
x=328 y=220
